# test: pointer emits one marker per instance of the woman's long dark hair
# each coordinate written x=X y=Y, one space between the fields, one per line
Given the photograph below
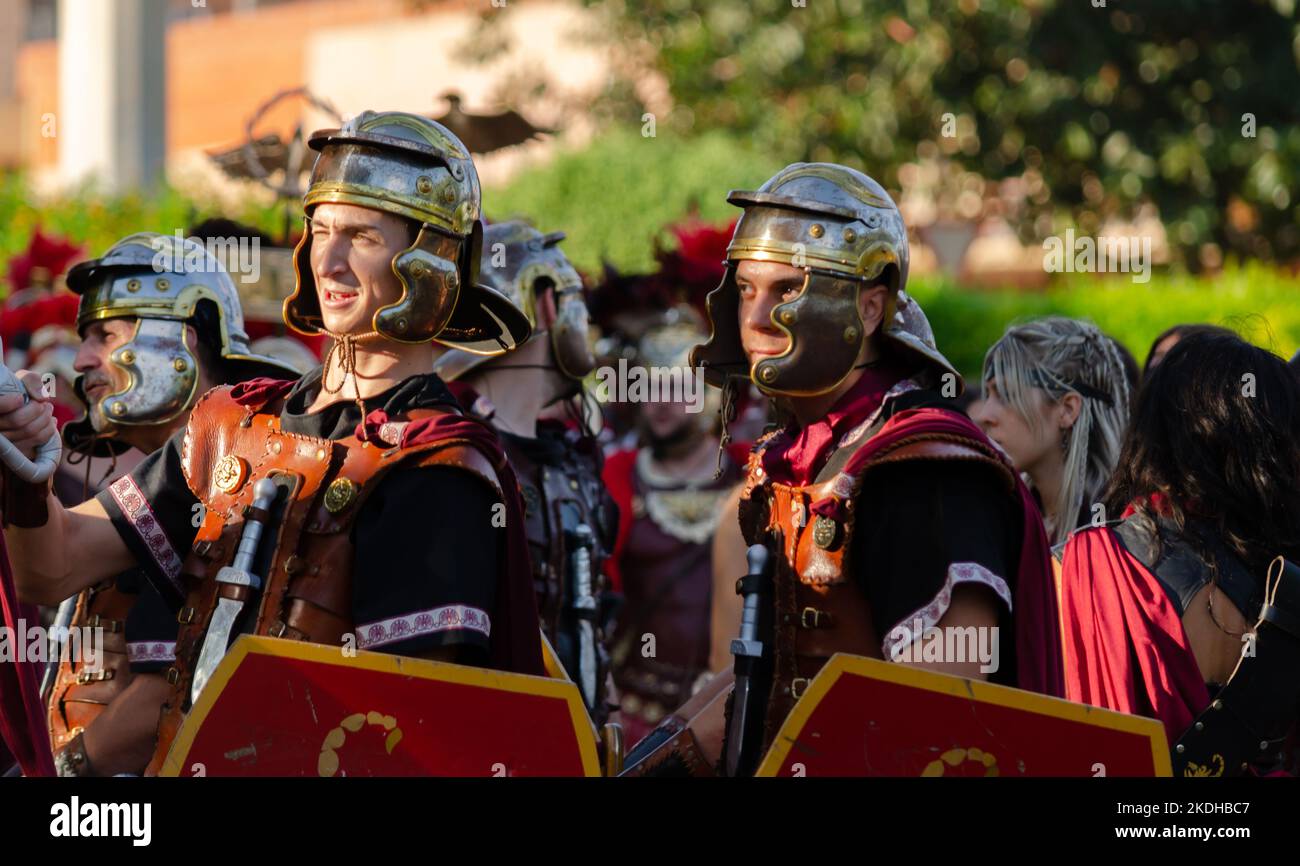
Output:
x=1216 y=430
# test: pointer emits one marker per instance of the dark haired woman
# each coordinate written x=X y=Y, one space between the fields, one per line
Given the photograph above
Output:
x=1159 y=607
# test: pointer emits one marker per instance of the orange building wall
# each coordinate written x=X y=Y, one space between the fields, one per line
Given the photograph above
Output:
x=219 y=70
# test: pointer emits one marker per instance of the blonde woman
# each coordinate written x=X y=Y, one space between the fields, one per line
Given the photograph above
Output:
x=1056 y=399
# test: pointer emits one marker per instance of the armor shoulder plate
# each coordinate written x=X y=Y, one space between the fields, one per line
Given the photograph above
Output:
x=208 y=435
x=460 y=454
x=942 y=448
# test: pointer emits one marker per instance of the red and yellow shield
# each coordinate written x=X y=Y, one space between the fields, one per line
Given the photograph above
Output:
x=863 y=717
x=284 y=708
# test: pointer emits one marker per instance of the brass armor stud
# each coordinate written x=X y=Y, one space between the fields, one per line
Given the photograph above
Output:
x=230 y=473
x=850 y=334
x=163 y=284
x=180 y=365
x=824 y=531
x=787 y=317
x=128 y=357
x=339 y=494
x=850 y=236
x=424 y=185
x=133 y=285
x=119 y=408
x=816 y=230
x=767 y=374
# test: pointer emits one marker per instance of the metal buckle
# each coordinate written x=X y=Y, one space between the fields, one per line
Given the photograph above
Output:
x=112 y=626
x=186 y=616
x=798 y=686
x=173 y=675
x=811 y=617
x=797 y=514
x=86 y=677
x=277 y=629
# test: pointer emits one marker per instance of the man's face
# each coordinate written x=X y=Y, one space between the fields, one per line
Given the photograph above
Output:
x=352 y=250
x=100 y=377
x=664 y=418
x=762 y=286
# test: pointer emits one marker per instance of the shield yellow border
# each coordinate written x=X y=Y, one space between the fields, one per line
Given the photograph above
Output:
x=945 y=684
x=247 y=645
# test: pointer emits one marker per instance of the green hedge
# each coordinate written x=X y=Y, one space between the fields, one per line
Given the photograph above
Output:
x=97 y=221
x=614 y=197
x=1260 y=303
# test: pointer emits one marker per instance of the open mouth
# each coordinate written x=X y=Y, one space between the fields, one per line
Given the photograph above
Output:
x=335 y=298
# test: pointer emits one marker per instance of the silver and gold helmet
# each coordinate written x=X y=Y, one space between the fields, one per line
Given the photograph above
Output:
x=160 y=280
x=845 y=232
x=520 y=262
x=412 y=167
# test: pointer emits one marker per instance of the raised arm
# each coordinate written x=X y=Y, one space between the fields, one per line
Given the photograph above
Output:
x=74 y=549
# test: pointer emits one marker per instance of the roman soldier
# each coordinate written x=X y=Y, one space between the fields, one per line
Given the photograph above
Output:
x=570 y=519
x=669 y=493
x=881 y=511
x=145 y=358
x=353 y=506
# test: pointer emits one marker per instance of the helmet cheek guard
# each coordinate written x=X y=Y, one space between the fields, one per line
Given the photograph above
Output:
x=826 y=337
x=431 y=281
x=722 y=355
x=163 y=376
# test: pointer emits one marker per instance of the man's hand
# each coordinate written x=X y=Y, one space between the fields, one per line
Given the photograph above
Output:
x=28 y=424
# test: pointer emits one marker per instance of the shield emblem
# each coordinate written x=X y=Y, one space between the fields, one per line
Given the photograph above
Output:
x=864 y=717
x=284 y=708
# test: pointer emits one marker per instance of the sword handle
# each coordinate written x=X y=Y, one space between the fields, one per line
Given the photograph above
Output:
x=263 y=496
x=744 y=731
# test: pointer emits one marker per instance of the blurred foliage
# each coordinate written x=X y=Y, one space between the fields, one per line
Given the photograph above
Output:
x=97 y=221
x=1098 y=109
x=1254 y=299
x=615 y=198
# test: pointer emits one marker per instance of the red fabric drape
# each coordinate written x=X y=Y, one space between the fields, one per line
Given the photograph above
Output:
x=22 y=719
x=1125 y=648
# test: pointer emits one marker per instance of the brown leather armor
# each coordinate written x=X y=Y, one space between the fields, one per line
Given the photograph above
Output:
x=307 y=590
x=79 y=695
x=820 y=609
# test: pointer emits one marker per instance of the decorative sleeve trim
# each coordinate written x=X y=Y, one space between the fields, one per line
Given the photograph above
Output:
x=151 y=651
x=452 y=617
x=913 y=626
x=137 y=511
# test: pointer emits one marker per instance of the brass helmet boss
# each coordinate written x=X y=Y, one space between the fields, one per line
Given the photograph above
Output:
x=845 y=232
x=161 y=281
x=412 y=167
x=519 y=262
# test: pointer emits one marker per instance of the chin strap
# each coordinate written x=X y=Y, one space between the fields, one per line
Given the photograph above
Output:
x=84 y=456
x=346 y=346
x=727 y=414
